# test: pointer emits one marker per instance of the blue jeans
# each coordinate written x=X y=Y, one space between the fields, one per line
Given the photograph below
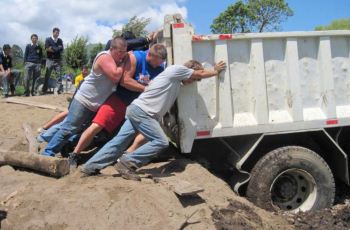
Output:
x=136 y=121
x=77 y=116
x=47 y=135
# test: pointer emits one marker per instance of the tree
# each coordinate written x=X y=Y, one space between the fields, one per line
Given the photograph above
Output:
x=96 y=48
x=17 y=55
x=252 y=16
x=340 y=24
x=135 y=25
x=75 y=55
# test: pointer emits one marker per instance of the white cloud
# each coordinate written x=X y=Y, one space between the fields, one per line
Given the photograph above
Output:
x=91 y=18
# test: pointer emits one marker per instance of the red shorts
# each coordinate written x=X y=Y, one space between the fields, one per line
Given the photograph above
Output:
x=111 y=113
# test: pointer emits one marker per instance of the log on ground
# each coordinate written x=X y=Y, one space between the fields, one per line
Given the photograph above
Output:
x=53 y=166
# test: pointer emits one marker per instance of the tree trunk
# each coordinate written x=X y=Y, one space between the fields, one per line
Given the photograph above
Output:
x=53 y=166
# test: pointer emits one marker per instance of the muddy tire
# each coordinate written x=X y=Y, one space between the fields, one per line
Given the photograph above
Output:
x=292 y=179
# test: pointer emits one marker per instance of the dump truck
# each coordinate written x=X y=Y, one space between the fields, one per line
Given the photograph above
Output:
x=278 y=116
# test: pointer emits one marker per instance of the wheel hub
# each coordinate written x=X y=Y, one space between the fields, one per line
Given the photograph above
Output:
x=293 y=190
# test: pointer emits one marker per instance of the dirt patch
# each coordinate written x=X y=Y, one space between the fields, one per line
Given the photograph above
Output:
x=29 y=200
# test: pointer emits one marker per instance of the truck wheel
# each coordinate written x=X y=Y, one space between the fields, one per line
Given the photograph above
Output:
x=291 y=179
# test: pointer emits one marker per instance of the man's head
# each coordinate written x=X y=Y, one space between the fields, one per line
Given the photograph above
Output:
x=34 y=38
x=55 y=32
x=193 y=64
x=85 y=71
x=156 y=55
x=118 y=49
x=7 y=49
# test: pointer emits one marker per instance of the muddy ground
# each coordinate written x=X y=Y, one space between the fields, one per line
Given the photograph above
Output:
x=29 y=200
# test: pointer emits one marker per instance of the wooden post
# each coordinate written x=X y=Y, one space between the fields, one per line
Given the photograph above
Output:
x=53 y=166
x=33 y=143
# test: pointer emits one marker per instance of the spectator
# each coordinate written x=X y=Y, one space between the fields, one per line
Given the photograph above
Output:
x=5 y=70
x=54 y=49
x=32 y=58
x=107 y=70
x=142 y=115
x=81 y=76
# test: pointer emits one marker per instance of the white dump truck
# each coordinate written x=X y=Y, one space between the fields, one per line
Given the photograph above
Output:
x=279 y=115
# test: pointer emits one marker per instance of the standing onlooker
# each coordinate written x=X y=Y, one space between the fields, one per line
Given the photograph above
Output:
x=32 y=59
x=54 y=49
x=81 y=76
x=5 y=70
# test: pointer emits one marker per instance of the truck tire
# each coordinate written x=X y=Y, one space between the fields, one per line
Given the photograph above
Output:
x=292 y=179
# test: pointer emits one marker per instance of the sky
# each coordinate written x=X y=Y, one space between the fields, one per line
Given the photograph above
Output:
x=96 y=19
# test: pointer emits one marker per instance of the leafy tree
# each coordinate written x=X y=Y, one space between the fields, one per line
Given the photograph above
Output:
x=135 y=25
x=94 y=51
x=17 y=56
x=252 y=16
x=340 y=24
x=75 y=54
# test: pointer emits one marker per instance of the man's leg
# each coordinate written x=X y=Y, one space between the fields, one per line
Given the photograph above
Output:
x=5 y=83
x=59 y=77
x=73 y=124
x=111 y=151
x=36 y=75
x=28 y=72
x=49 y=67
x=87 y=137
x=46 y=135
x=138 y=141
x=152 y=131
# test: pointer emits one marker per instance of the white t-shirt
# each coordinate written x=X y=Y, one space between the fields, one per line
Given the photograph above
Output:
x=161 y=92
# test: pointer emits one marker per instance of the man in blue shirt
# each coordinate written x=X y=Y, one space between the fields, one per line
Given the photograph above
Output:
x=145 y=66
x=54 y=49
x=32 y=59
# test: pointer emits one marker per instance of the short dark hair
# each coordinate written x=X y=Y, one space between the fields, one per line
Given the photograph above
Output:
x=6 y=47
x=127 y=35
x=55 y=29
x=33 y=35
x=118 y=42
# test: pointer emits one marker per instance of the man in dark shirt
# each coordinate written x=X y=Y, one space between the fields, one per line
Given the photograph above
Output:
x=54 y=49
x=32 y=59
x=5 y=70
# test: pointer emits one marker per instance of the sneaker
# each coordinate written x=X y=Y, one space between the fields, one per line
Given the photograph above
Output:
x=126 y=172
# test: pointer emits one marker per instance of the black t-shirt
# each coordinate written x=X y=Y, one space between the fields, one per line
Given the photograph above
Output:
x=6 y=61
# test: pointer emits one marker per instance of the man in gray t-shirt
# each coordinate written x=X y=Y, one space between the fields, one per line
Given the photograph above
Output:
x=143 y=115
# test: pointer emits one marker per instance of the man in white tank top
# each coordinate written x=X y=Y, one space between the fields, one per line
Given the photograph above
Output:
x=107 y=69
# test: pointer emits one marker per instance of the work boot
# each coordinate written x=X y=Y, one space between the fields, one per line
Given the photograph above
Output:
x=85 y=173
x=126 y=172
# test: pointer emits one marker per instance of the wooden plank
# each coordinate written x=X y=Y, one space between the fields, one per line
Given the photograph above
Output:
x=179 y=186
x=53 y=166
x=34 y=104
x=33 y=143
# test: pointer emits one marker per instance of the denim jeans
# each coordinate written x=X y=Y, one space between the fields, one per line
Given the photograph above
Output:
x=77 y=116
x=31 y=72
x=53 y=65
x=136 y=121
x=47 y=135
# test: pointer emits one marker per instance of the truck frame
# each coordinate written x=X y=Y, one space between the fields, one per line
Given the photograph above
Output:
x=279 y=114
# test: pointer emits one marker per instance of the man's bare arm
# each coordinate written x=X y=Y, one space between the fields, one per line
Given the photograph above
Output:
x=200 y=74
x=128 y=80
x=106 y=65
